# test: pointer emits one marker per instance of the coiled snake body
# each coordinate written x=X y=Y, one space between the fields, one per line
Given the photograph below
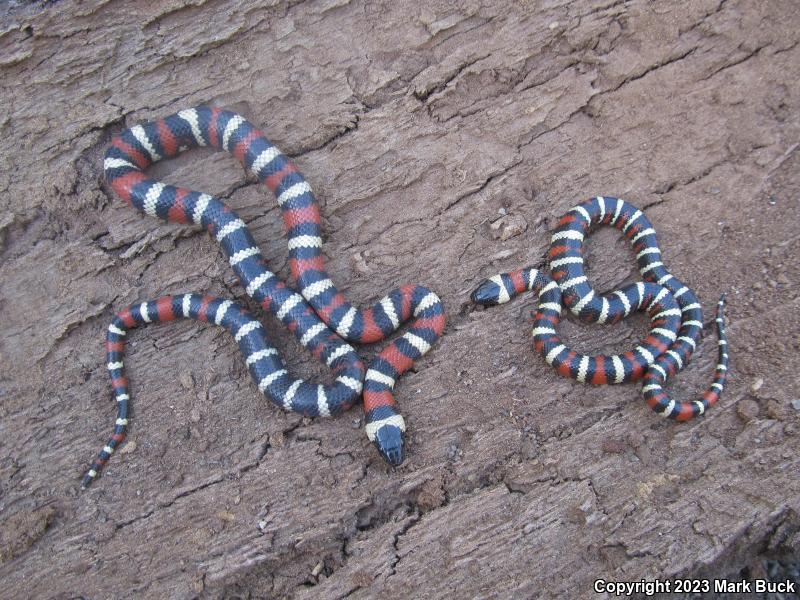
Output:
x=319 y=316
x=676 y=316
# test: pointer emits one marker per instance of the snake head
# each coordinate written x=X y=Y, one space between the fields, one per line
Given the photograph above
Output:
x=487 y=293
x=389 y=442
x=387 y=433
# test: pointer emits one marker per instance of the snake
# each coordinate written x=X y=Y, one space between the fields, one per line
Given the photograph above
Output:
x=319 y=316
x=676 y=316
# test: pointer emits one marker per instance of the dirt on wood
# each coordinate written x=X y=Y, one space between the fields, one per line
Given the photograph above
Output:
x=443 y=140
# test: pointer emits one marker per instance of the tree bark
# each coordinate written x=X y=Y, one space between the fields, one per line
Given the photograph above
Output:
x=443 y=141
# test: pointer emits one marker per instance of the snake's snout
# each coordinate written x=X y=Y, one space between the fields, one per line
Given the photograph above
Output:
x=389 y=441
x=486 y=294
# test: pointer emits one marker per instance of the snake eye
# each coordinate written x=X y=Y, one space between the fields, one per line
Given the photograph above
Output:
x=389 y=441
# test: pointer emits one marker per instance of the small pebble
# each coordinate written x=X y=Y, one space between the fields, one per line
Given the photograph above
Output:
x=515 y=225
x=796 y=404
x=317 y=569
x=360 y=263
x=224 y=515
x=747 y=410
x=187 y=381
x=528 y=528
x=775 y=410
x=508 y=226
x=506 y=374
x=757 y=384
x=128 y=448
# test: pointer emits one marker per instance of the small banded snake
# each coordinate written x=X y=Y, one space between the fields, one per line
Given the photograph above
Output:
x=676 y=317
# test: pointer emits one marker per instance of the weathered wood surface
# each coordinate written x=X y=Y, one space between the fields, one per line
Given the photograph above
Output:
x=415 y=125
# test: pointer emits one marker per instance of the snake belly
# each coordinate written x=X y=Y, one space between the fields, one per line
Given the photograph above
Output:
x=319 y=316
x=676 y=317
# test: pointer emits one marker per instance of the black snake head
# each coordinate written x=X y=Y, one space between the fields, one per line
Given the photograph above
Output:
x=486 y=294
x=389 y=442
